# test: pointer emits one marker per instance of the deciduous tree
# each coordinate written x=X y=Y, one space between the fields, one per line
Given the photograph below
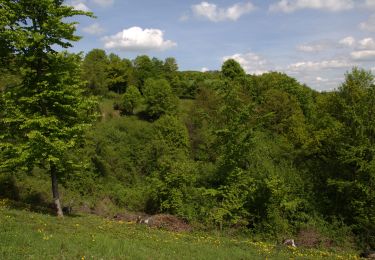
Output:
x=43 y=116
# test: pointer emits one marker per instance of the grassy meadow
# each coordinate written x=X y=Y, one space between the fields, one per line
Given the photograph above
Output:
x=29 y=235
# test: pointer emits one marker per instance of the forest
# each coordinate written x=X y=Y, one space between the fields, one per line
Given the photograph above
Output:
x=260 y=154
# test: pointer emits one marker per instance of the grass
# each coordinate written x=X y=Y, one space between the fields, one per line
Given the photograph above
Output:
x=30 y=235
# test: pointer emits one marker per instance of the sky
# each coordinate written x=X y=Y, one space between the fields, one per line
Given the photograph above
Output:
x=314 y=41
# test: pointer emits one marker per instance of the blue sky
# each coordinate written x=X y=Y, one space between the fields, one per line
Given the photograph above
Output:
x=315 y=41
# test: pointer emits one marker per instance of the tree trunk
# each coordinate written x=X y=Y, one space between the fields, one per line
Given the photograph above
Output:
x=55 y=191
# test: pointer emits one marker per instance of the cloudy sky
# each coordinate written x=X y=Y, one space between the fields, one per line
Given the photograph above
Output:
x=315 y=41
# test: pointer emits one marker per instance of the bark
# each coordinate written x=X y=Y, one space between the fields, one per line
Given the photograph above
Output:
x=55 y=191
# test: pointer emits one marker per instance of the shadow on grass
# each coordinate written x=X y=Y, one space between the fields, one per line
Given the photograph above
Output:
x=34 y=202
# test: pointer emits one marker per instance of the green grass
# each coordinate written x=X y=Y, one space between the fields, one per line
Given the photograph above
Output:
x=29 y=235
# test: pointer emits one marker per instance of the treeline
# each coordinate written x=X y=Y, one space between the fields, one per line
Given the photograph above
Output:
x=260 y=152
x=105 y=73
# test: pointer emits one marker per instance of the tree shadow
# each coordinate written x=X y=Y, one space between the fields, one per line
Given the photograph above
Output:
x=142 y=115
x=33 y=202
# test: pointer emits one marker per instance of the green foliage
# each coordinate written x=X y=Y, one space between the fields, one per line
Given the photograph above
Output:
x=45 y=115
x=353 y=186
x=170 y=65
x=231 y=69
x=143 y=69
x=159 y=98
x=284 y=83
x=259 y=153
x=94 y=69
x=131 y=99
x=117 y=74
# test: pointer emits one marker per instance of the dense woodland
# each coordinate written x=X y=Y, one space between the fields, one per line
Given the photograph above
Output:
x=221 y=149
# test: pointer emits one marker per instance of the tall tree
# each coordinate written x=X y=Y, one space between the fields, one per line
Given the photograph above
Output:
x=170 y=65
x=95 y=71
x=44 y=116
x=353 y=181
x=117 y=74
x=143 y=67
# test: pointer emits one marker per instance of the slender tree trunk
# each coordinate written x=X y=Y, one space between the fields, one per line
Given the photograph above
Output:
x=55 y=191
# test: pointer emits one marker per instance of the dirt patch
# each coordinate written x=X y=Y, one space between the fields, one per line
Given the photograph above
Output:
x=169 y=222
x=310 y=238
x=162 y=221
x=104 y=208
x=128 y=217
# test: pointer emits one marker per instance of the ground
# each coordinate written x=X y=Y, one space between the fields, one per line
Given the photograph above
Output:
x=25 y=234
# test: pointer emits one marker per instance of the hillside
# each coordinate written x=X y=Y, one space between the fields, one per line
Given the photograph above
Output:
x=258 y=154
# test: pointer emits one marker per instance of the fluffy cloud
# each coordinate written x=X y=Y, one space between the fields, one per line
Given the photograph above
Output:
x=138 y=39
x=215 y=14
x=319 y=65
x=368 y=25
x=79 y=5
x=363 y=55
x=250 y=62
x=367 y=43
x=94 y=29
x=289 y=6
x=104 y=3
x=347 y=41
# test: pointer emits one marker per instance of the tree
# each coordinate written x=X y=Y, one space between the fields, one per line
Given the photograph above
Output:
x=131 y=99
x=143 y=67
x=231 y=69
x=170 y=69
x=44 y=116
x=95 y=71
x=117 y=74
x=159 y=98
x=353 y=182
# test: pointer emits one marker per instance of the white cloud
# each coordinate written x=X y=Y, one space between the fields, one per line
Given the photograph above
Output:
x=289 y=6
x=250 y=62
x=215 y=14
x=363 y=55
x=368 y=25
x=94 y=29
x=138 y=39
x=320 y=79
x=367 y=44
x=204 y=69
x=310 y=48
x=347 y=41
x=315 y=46
x=104 y=3
x=325 y=64
x=79 y=5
